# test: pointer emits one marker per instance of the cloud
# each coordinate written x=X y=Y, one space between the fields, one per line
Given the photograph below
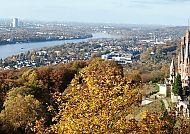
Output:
x=175 y=0
x=151 y=2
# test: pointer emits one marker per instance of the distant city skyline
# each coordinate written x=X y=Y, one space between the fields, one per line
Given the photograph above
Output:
x=161 y=12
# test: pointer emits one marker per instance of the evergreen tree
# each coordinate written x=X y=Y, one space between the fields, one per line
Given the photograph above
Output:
x=177 y=85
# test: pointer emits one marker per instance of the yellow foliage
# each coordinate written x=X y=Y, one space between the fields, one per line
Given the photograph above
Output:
x=98 y=101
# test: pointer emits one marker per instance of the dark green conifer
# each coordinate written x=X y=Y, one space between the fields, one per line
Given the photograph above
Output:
x=177 y=85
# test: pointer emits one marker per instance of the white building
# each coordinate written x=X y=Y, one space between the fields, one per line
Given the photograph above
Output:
x=121 y=59
x=163 y=89
x=15 y=23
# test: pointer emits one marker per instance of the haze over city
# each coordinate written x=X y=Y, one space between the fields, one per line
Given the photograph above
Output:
x=165 y=12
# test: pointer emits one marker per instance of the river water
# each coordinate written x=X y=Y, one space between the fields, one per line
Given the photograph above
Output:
x=12 y=49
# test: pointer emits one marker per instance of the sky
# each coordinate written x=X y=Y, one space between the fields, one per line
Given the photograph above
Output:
x=164 y=12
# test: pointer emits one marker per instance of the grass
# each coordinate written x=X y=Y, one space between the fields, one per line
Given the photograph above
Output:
x=157 y=88
x=149 y=89
x=172 y=105
x=155 y=106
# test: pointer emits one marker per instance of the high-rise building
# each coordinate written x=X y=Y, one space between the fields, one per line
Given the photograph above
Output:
x=15 y=22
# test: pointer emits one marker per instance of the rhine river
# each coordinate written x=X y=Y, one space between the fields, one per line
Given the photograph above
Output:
x=12 y=49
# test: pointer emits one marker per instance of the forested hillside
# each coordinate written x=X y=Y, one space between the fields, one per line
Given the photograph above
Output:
x=80 y=97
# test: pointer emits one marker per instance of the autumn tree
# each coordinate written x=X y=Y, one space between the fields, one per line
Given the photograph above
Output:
x=101 y=100
x=156 y=123
x=165 y=70
x=134 y=76
x=146 y=54
x=157 y=76
x=98 y=100
x=61 y=77
x=19 y=113
x=31 y=80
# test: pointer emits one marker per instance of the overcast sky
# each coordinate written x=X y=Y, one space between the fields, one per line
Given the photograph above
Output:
x=169 y=12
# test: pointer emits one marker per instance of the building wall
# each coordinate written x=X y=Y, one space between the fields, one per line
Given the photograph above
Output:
x=163 y=89
x=15 y=22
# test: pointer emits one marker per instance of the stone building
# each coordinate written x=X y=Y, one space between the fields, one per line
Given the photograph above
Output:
x=184 y=60
x=183 y=68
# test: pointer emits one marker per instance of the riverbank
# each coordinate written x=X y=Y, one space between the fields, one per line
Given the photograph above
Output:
x=36 y=40
x=13 y=49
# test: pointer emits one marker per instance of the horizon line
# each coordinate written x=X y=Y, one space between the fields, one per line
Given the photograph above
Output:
x=87 y=22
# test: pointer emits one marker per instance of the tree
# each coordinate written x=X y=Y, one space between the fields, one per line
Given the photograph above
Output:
x=43 y=74
x=177 y=85
x=20 y=113
x=134 y=76
x=34 y=57
x=31 y=80
x=146 y=55
x=156 y=76
x=165 y=70
x=98 y=100
x=61 y=77
x=23 y=91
